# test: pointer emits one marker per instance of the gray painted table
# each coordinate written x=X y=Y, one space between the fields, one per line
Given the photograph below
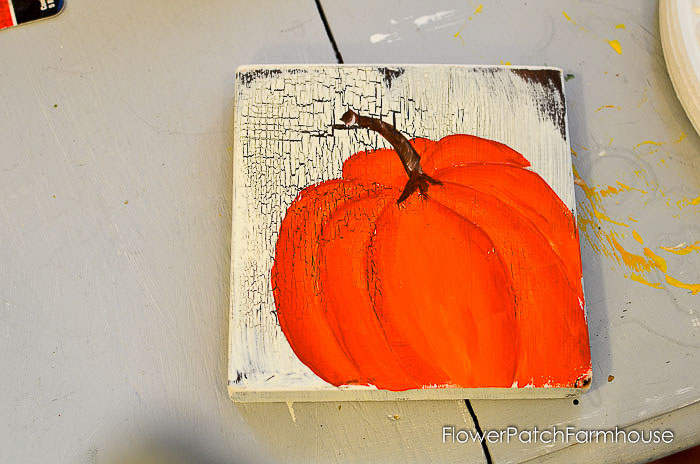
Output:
x=115 y=175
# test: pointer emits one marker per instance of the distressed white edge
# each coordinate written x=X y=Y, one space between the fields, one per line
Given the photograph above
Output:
x=261 y=395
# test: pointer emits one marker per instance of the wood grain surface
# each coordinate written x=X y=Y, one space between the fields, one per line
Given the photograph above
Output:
x=114 y=293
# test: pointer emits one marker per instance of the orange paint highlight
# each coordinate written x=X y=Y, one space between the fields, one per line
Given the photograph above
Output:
x=477 y=285
x=608 y=107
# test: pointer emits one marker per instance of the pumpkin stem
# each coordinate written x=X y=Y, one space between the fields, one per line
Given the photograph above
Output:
x=417 y=179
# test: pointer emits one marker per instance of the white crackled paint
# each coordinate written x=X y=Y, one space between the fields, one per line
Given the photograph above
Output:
x=376 y=38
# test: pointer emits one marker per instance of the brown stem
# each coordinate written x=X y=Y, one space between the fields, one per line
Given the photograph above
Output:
x=417 y=179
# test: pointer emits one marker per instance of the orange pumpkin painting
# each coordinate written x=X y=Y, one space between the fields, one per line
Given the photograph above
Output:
x=435 y=264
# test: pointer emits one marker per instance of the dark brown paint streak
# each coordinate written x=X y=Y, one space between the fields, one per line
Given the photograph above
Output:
x=550 y=79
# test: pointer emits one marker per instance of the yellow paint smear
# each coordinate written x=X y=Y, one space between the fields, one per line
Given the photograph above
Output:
x=682 y=249
x=568 y=18
x=593 y=196
x=580 y=182
x=658 y=261
x=605 y=217
x=650 y=261
x=620 y=26
x=478 y=9
x=684 y=202
x=694 y=288
x=641 y=264
x=637 y=237
x=642 y=280
x=647 y=142
x=680 y=138
x=632 y=219
x=610 y=190
x=605 y=107
x=627 y=188
x=615 y=46
x=636 y=262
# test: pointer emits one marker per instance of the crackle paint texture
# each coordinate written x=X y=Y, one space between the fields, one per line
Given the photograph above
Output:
x=472 y=281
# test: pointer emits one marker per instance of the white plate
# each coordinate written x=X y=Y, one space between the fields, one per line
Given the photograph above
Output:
x=680 y=38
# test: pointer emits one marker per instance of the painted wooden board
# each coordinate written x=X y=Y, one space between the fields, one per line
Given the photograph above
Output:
x=508 y=272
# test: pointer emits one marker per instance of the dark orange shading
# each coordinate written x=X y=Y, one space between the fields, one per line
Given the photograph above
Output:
x=347 y=305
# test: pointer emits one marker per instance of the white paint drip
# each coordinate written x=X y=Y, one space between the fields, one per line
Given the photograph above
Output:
x=423 y=20
x=679 y=246
x=290 y=406
x=465 y=413
x=376 y=38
